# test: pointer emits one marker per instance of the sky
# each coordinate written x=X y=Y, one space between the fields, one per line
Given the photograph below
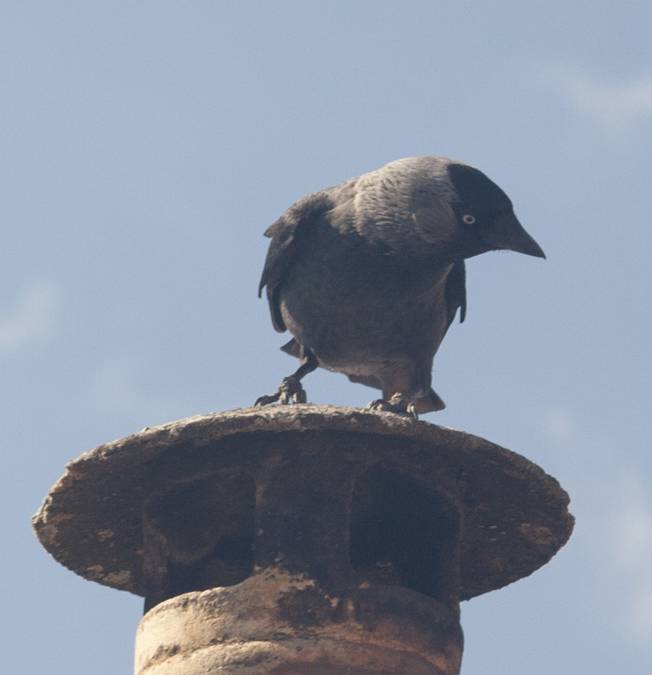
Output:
x=144 y=148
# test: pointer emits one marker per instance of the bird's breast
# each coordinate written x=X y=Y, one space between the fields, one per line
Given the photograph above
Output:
x=355 y=309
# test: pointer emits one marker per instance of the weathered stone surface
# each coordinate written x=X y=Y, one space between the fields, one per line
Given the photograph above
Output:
x=262 y=626
x=303 y=539
x=116 y=504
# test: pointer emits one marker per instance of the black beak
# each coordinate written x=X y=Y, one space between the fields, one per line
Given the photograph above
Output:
x=508 y=233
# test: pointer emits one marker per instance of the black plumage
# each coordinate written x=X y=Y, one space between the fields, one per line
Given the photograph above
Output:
x=368 y=275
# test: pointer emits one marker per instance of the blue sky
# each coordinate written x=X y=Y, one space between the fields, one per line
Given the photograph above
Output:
x=145 y=146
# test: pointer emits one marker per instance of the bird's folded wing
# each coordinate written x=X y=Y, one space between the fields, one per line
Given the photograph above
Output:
x=285 y=234
x=456 y=292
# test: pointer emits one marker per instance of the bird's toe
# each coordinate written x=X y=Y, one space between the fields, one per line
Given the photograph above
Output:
x=290 y=391
x=378 y=404
x=300 y=396
x=396 y=405
x=266 y=400
x=411 y=410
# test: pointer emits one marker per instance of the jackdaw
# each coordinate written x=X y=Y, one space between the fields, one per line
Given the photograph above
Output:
x=369 y=274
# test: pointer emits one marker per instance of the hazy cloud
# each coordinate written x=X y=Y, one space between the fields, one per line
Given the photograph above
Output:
x=560 y=425
x=614 y=522
x=120 y=387
x=116 y=388
x=615 y=107
x=31 y=320
x=630 y=529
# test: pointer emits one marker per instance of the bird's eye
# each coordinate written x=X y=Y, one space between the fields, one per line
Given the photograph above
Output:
x=468 y=219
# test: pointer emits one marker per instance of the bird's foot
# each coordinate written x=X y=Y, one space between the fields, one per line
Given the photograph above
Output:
x=398 y=404
x=289 y=391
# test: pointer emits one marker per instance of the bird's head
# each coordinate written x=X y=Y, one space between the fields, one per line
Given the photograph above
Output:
x=486 y=219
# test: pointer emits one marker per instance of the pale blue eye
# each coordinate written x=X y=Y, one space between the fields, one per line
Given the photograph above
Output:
x=468 y=219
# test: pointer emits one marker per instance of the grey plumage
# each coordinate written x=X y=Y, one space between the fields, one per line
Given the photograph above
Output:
x=368 y=275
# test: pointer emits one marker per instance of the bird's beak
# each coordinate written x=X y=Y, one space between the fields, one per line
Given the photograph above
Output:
x=508 y=233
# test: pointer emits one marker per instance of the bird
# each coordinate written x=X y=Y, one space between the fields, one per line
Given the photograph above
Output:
x=368 y=275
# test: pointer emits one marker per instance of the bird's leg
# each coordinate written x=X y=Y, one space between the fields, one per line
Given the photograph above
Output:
x=404 y=389
x=290 y=389
x=398 y=403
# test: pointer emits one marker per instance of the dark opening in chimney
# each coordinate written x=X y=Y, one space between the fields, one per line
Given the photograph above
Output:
x=202 y=534
x=403 y=534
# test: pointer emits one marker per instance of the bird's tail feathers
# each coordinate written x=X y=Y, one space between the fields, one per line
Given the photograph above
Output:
x=431 y=402
x=293 y=348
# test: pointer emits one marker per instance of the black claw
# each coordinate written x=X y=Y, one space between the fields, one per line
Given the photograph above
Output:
x=397 y=404
x=289 y=392
x=266 y=400
x=411 y=410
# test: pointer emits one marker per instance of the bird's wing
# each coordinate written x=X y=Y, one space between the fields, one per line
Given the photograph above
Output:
x=456 y=292
x=285 y=234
